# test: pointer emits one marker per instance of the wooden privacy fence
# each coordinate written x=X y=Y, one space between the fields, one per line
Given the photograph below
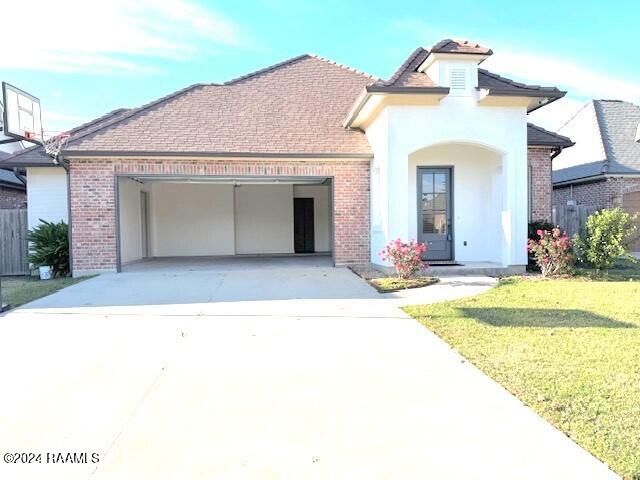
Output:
x=13 y=242
x=571 y=217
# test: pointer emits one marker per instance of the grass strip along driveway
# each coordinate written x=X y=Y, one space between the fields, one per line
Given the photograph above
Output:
x=570 y=349
x=17 y=291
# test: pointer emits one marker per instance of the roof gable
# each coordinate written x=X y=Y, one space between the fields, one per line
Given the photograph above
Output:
x=604 y=131
x=618 y=121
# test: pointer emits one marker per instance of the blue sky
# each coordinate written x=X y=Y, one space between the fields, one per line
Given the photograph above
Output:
x=84 y=58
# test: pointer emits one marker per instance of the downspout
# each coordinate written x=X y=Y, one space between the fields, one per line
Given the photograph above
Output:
x=61 y=161
x=19 y=176
x=556 y=151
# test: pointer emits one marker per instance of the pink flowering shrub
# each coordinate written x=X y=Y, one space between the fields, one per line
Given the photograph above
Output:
x=552 y=252
x=406 y=258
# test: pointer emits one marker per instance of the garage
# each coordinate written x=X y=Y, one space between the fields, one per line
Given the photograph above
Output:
x=167 y=217
x=631 y=204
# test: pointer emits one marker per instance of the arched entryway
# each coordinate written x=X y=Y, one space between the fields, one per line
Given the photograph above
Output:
x=456 y=200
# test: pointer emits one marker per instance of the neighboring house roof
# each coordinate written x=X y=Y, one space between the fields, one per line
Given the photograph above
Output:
x=539 y=137
x=36 y=156
x=7 y=177
x=293 y=108
x=615 y=123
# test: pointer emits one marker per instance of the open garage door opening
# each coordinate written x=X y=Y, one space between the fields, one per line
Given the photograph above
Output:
x=177 y=220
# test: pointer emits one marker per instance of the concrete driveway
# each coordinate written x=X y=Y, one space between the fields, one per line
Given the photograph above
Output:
x=272 y=373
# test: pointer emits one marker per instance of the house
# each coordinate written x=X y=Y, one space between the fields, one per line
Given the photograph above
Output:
x=13 y=192
x=603 y=169
x=309 y=156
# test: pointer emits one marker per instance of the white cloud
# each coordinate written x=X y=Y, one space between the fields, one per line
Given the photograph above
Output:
x=110 y=36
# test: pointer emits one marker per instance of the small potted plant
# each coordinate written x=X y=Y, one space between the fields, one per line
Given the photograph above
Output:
x=49 y=249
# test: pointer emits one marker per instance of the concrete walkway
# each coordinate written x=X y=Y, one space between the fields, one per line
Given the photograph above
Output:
x=292 y=373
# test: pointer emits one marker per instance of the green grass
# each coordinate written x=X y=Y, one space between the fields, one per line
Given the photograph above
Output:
x=17 y=291
x=393 y=284
x=568 y=348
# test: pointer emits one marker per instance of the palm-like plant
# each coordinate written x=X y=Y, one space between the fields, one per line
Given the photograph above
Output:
x=49 y=245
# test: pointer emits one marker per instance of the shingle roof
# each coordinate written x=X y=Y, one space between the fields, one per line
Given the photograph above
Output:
x=407 y=75
x=294 y=107
x=617 y=122
x=539 y=137
x=35 y=156
x=584 y=170
x=449 y=45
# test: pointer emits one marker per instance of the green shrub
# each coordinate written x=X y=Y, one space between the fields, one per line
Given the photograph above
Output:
x=606 y=237
x=49 y=245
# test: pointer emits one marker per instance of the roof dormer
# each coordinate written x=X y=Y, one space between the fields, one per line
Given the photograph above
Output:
x=454 y=64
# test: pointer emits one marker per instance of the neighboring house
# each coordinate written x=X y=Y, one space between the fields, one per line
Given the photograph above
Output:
x=13 y=192
x=310 y=156
x=603 y=169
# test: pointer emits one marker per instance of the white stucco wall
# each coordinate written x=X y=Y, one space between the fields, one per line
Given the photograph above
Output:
x=264 y=219
x=321 y=213
x=378 y=135
x=477 y=203
x=46 y=195
x=191 y=219
x=408 y=129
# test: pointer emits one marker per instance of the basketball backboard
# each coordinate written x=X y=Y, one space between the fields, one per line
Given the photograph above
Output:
x=21 y=118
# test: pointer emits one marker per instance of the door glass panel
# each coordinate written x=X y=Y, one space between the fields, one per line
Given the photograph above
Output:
x=427 y=183
x=440 y=182
x=440 y=201
x=427 y=222
x=427 y=201
x=440 y=222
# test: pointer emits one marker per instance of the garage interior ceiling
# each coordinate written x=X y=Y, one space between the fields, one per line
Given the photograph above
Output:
x=234 y=180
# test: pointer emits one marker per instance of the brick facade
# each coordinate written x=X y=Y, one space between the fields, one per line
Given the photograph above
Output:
x=539 y=162
x=93 y=214
x=11 y=198
x=606 y=193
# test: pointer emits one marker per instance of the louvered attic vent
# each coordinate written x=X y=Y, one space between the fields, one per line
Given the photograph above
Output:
x=458 y=79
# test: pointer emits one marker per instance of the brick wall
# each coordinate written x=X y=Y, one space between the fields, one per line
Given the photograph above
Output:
x=540 y=187
x=93 y=200
x=12 y=198
x=606 y=193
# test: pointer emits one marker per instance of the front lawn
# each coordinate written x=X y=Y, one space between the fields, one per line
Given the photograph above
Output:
x=17 y=291
x=570 y=349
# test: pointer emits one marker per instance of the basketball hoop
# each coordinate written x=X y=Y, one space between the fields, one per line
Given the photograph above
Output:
x=53 y=146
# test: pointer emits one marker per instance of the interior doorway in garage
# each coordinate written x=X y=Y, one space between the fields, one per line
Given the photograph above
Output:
x=174 y=217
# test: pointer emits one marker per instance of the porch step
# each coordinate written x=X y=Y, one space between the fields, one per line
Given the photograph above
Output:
x=467 y=268
x=476 y=268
